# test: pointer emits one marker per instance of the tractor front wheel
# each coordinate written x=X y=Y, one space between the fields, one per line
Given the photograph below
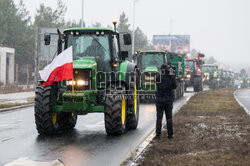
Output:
x=46 y=121
x=115 y=110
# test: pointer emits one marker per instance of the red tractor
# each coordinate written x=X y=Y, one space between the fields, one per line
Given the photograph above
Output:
x=194 y=75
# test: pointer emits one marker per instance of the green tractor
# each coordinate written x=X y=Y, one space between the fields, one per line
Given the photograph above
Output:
x=103 y=82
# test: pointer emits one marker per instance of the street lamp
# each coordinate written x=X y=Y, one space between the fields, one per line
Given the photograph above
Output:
x=82 y=13
x=170 y=31
x=133 y=35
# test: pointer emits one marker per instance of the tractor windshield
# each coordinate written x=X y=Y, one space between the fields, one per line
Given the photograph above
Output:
x=88 y=45
x=149 y=59
x=190 y=65
x=208 y=69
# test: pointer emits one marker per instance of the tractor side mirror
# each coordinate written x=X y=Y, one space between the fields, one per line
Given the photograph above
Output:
x=47 y=39
x=124 y=55
x=127 y=39
x=202 y=55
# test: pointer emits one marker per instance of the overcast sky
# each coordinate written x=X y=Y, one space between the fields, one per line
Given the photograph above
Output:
x=219 y=28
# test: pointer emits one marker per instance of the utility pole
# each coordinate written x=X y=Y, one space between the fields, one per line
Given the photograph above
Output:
x=170 y=31
x=35 y=57
x=133 y=33
x=82 y=13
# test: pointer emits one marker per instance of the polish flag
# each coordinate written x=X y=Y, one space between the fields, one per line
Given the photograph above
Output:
x=61 y=68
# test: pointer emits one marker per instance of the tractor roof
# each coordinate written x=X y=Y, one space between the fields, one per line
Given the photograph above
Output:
x=89 y=29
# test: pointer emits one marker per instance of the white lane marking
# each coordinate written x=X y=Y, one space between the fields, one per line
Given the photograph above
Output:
x=6 y=139
x=26 y=162
x=9 y=123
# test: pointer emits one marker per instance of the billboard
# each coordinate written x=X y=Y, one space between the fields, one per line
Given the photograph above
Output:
x=173 y=43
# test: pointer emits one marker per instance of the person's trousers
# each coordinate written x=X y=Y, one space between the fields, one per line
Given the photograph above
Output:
x=160 y=109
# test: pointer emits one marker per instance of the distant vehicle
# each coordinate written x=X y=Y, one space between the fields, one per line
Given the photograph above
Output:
x=194 y=75
x=210 y=74
x=237 y=82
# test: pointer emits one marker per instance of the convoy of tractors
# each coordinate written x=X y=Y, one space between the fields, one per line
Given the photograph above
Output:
x=111 y=84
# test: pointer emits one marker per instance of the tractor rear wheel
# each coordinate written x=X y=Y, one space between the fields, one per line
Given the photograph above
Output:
x=133 y=116
x=115 y=110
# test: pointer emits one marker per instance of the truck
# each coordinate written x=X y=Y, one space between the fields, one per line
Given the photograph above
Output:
x=210 y=74
x=150 y=62
x=99 y=84
x=179 y=62
x=194 y=75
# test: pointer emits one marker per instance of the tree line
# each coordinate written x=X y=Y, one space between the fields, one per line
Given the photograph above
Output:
x=17 y=30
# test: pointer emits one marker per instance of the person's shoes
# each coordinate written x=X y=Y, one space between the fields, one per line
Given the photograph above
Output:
x=170 y=137
x=157 y=136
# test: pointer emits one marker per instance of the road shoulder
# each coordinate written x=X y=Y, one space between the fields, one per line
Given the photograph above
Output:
x=211 y=128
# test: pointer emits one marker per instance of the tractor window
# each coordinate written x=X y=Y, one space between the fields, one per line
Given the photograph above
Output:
x=190 y=65
x=115 y=46
x=90 y=46
x=151 y=60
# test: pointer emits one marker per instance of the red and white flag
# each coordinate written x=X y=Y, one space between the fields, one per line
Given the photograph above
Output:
x=61 y=68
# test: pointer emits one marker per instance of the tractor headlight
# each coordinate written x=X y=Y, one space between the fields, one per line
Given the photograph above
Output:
x=149 y=78
x=218 y=79
x=241 y=81
x=70 y=83
x=82 y=83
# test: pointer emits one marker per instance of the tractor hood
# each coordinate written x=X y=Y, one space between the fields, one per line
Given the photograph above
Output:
x=84 y=63
x=151 y=69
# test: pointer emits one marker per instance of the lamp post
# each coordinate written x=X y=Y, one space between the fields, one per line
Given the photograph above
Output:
x=82 y=13
x=133 y=33
x=170 y=31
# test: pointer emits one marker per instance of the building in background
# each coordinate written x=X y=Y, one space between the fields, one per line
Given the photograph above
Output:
x=173 y=43
x=7 y=65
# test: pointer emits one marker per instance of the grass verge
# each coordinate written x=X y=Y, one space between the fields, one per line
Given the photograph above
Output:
x=211 y=129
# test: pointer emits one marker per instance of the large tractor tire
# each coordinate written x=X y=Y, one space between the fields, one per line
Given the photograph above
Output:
x=198 y=84
x=133 y=115
x=115 y=110
x=47 y=122
x=68 y=120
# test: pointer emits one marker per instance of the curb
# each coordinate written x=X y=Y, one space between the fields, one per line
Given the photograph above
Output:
x=246 y=110
x=142 y=147
x=16 y=107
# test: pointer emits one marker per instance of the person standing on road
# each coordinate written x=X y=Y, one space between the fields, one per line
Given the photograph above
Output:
x=166 y=84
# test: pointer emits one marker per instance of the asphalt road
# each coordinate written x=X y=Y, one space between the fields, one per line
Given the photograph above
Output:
x=87 y=144
x=243 y=96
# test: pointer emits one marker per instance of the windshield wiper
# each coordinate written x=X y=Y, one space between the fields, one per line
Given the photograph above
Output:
x=98 y=42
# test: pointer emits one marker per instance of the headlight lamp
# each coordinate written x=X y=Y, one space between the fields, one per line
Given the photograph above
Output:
x=78 y=83
x=70 y=83
x=149 y=78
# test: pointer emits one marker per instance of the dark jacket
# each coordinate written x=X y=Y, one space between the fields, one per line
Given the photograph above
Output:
x=165 y=88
